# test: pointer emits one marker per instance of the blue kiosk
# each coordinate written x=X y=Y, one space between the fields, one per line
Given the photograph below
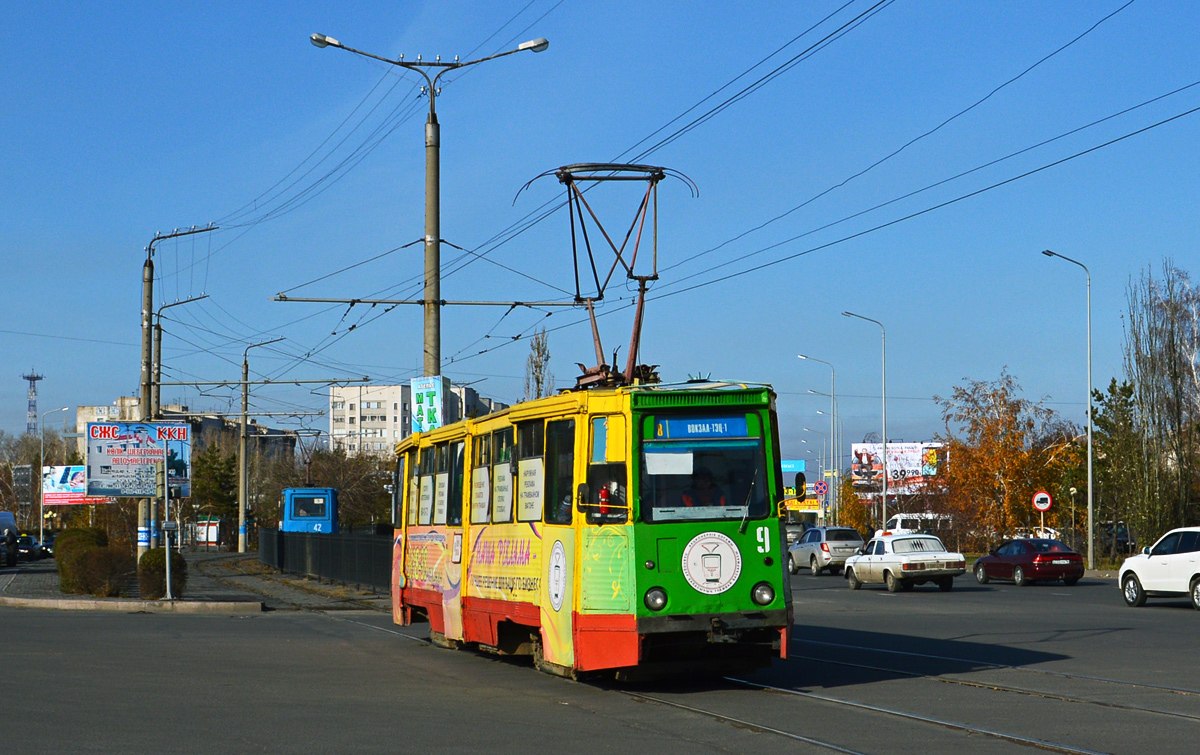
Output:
x=309 y=510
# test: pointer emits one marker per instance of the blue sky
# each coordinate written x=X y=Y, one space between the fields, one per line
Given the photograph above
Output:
x=123 y=120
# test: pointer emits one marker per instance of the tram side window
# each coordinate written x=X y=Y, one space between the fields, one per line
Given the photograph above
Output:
x=560 y=470
x=502 y=476
x=425 y=494
x=413 y=482
x=530 y=470
x=441 y=482
x=605 y=501
x=481 y=462
x=454 y=506
x=399 y=478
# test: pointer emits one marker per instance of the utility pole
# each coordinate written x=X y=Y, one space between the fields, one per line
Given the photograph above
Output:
x=145 y=409
x=243 y=463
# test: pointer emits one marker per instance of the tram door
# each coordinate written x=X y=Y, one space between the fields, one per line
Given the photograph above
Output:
x=557 y=592
x=450 y=485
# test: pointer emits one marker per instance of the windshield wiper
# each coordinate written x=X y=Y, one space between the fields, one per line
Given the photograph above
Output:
x=750 y=492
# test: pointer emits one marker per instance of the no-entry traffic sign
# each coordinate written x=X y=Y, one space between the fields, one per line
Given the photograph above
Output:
x=1042 y=500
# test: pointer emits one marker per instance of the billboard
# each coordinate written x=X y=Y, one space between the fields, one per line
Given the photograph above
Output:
x=910 y=465
x=429 y=402
x=66 y=486
x=123 y=458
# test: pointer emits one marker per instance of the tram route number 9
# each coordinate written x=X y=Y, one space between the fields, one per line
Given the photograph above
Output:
x=763 y=536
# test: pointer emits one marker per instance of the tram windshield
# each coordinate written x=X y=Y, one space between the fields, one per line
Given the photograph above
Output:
x=685 y=480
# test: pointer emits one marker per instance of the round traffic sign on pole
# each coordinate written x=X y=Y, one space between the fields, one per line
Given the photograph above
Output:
x=820 y=487
x=1042 y=500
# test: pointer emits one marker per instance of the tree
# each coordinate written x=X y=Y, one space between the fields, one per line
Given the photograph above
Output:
x=1162 y=342
x=215 y=482
x=854 y=511
x=1001 y=449
x=539 y=381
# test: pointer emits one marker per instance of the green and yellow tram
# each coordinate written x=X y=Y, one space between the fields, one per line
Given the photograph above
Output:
x=614 y=529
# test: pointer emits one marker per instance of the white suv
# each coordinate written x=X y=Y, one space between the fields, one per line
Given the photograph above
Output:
x=1169 y=568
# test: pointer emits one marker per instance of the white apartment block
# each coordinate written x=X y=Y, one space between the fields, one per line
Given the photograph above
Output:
x=373 y=418
x=368 y=418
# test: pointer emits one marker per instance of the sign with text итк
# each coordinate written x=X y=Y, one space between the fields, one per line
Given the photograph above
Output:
x=123 y=458
x=429 y=402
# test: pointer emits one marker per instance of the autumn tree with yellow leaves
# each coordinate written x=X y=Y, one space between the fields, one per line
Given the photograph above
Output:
x=1001 y=449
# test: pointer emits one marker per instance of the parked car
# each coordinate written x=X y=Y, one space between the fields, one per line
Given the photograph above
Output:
x=903 y=561
x=1118 y=537
x=1029 y=560
x=29 y=549
x=1169 y=568
x=824 y=548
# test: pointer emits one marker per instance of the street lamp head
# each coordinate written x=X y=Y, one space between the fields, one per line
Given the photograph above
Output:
x=801 y=356
x=537 y=45
x=320 y=40
x=1049 y=253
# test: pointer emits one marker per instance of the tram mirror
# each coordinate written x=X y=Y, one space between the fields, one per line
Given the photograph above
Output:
x=801 y=487
x=585 y=493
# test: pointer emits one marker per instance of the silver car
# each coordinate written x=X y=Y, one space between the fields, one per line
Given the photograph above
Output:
x=824 y=548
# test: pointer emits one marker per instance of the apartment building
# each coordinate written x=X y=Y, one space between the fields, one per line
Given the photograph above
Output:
x=373 y=418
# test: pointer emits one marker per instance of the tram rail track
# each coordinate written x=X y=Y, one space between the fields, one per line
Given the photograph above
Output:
x=1000 y=687
x=1005 y=666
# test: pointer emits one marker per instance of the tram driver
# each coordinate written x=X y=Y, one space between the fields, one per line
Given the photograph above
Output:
x=703 y=491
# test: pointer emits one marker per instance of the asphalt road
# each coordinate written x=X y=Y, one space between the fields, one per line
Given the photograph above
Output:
x=982 y=669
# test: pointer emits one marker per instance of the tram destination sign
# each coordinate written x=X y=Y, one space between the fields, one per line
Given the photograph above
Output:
x=681 y=428
x=123 y=458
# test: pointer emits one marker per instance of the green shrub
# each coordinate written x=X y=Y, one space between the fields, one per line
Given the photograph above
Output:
x=105 y=569
x=71 y=551
x=152 y=574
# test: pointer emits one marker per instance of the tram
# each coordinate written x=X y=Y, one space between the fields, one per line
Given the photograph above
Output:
x=629 y=530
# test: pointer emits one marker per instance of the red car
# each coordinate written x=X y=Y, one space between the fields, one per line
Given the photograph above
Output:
x=1030 y=560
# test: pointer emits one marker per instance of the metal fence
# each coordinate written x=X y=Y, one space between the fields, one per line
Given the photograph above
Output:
x=363 y=560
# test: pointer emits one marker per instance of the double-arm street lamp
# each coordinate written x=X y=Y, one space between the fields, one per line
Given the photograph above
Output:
x=42 y=476
x=883 y=333
x=1091 y=536
x=433 y=239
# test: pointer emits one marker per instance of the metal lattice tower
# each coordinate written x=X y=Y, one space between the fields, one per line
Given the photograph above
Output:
x=31 y=417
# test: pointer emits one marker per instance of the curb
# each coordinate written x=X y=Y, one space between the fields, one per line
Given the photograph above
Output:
x=135 y=606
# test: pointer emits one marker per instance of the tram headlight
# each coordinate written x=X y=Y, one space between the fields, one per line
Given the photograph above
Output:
x=763 y=594
x=656 y=599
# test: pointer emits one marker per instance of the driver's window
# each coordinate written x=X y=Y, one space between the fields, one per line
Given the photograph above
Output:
x=879 y=547
x=1167 y=546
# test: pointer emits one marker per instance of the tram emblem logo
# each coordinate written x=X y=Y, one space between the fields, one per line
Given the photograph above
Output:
x=556 y=582
x=711 y=563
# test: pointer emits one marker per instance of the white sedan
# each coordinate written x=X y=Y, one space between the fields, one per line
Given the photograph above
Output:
x=904 y=561
x=1169 y=568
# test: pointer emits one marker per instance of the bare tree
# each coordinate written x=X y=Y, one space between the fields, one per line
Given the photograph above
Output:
x=1161 y=344
x=539 y=381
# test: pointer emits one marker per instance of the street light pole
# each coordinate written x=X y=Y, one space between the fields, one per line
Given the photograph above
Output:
x=243 y=464
x=833 y=435
x=1091 y=536
x=824 y=461
x=433 y=237
x=42 y=480
x=883 y=333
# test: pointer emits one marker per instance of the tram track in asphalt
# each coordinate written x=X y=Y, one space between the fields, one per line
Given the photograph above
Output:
x=1032 y=742
x=998 y=687
x=1003 y=666
x=765 y=728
